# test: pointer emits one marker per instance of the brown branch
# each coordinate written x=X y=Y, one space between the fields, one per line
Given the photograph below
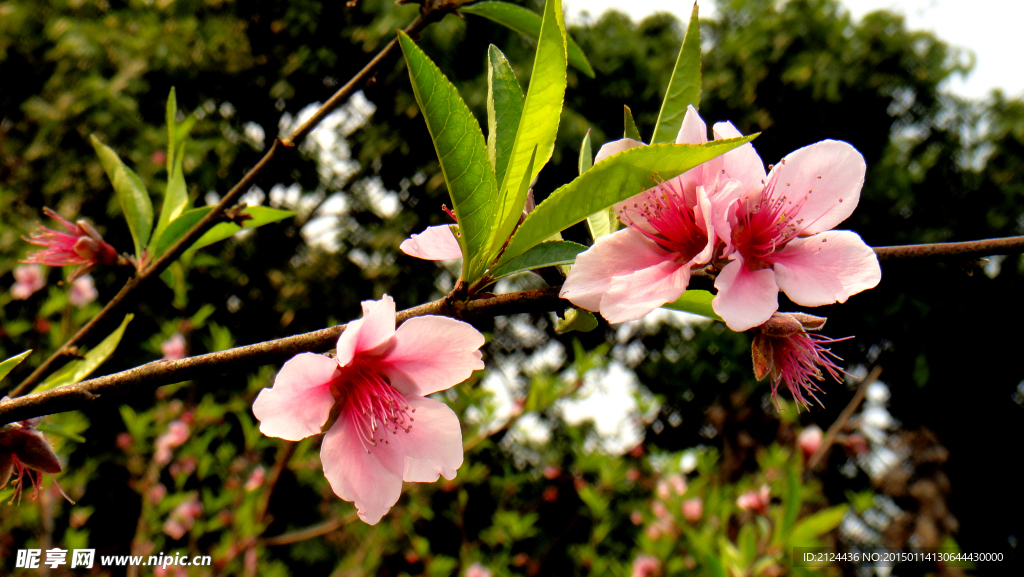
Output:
x=830 y=436
x=429 y=12
x=158 y=373
x=967 y=250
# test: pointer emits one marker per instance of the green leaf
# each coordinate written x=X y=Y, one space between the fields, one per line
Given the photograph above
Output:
x=178 y=227
x=697 y=302
x=131 y=193
x=630 y=131
x=261 y=215
x=793 y=502
x=810 y=528
x=172 y=112
x=463 y=155
x=175 y=198
x=538 y=125
x=504 y=108
x=551 y=253
x=78 y=370
x=7 y=366
x=586 y=156
x=527 y=23
x=684 y=87
x=615 y=179
x=576 y=320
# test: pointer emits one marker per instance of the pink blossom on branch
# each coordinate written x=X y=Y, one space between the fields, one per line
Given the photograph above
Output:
x=370 y=401
x=671 y=228
x=779 y=237
x=83 y=291
x=28 y=279
x=81 y=245
x=756 y=501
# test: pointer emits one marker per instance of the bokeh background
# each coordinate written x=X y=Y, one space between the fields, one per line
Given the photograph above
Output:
x=555 y=482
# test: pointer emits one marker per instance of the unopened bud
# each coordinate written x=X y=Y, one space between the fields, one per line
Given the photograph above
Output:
x=762 y=354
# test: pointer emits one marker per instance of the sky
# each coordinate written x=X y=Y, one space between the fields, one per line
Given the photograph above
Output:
x=989 y=28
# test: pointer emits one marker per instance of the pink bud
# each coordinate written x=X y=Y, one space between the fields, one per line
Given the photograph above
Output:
x=659 y=509
x=693 y=509
x=636 y=518
x=477 y=570
x=809 y=440
x=255 y=479
x=173 y=348
x=83 y=291
x=645 y=566
x=756 y=501
x=28 y=279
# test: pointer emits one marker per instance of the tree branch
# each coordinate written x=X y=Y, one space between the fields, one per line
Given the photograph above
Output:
x=429 y=12
x=967 y=250
x=158 y=373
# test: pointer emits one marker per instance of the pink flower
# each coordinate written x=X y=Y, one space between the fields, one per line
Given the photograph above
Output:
x=693 y=509
x=28 y=279
x=477 y=570
x=183 y=517
x=671 y=229
x=645 y=565
x=784 y=349
x=23 y=450
x=779 y=238
x=173 y=348
x=380 y=429
x=434 y=243
x=81 y=245
x=83 y=291
x=756 y=501
x=175 y=436
x=809 y=440
x=255 y=480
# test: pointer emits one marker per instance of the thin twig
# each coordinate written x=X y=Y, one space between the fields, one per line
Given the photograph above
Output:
x=309 y=533
x=830 y=436
x=158 y=373
x=968 y=250
x=428 y=13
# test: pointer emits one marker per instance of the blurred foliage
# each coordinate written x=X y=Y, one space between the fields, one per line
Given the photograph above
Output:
x=540 y=492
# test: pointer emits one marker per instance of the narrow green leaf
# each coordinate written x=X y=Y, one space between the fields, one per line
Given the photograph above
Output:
x=538 y=125
x=7 y=366
x=551 y=253
x=576 y=320
x=631 y=130
x=527 y=23
x=615 y=179
x=504 y=108
x=809 y=529
x=178 y=227
x=586 y=156
x=697 y=302
x=684 y=87
x=791 y=508
x=78 y=370
x=463 y=155
x=175 y=198
x=261 y=215
x=172 y=112
x=131 y=193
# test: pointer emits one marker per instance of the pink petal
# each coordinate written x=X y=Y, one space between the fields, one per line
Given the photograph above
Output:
x=433 y=446
x=358 y=476
x=434 y=243
x=620 y=253
x=693 y=130
x=826 y=268
x=827 y=176
x=300 y=401
x=370 y=333
x=632 y=296
x=615 y=147
x=431 y=354
x=743 y=163
x=746 y=298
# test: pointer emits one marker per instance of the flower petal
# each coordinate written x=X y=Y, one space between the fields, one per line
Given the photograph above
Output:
x=434 y=243
x=357 y=475
x=827 y=177
x=693 y=130
x=615 y=147
x=743 y=163
x=826 y=268
x=431 y=354
x=746 y=298
x=370 y=333
x=632 y=296
x=620 y=253
x=433 y=446
x=300 y=401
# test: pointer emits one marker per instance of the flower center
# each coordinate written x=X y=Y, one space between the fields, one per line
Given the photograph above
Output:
x=375 y=408
x=675 y=227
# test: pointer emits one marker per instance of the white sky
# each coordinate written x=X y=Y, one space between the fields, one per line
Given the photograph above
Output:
x=989 y=28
